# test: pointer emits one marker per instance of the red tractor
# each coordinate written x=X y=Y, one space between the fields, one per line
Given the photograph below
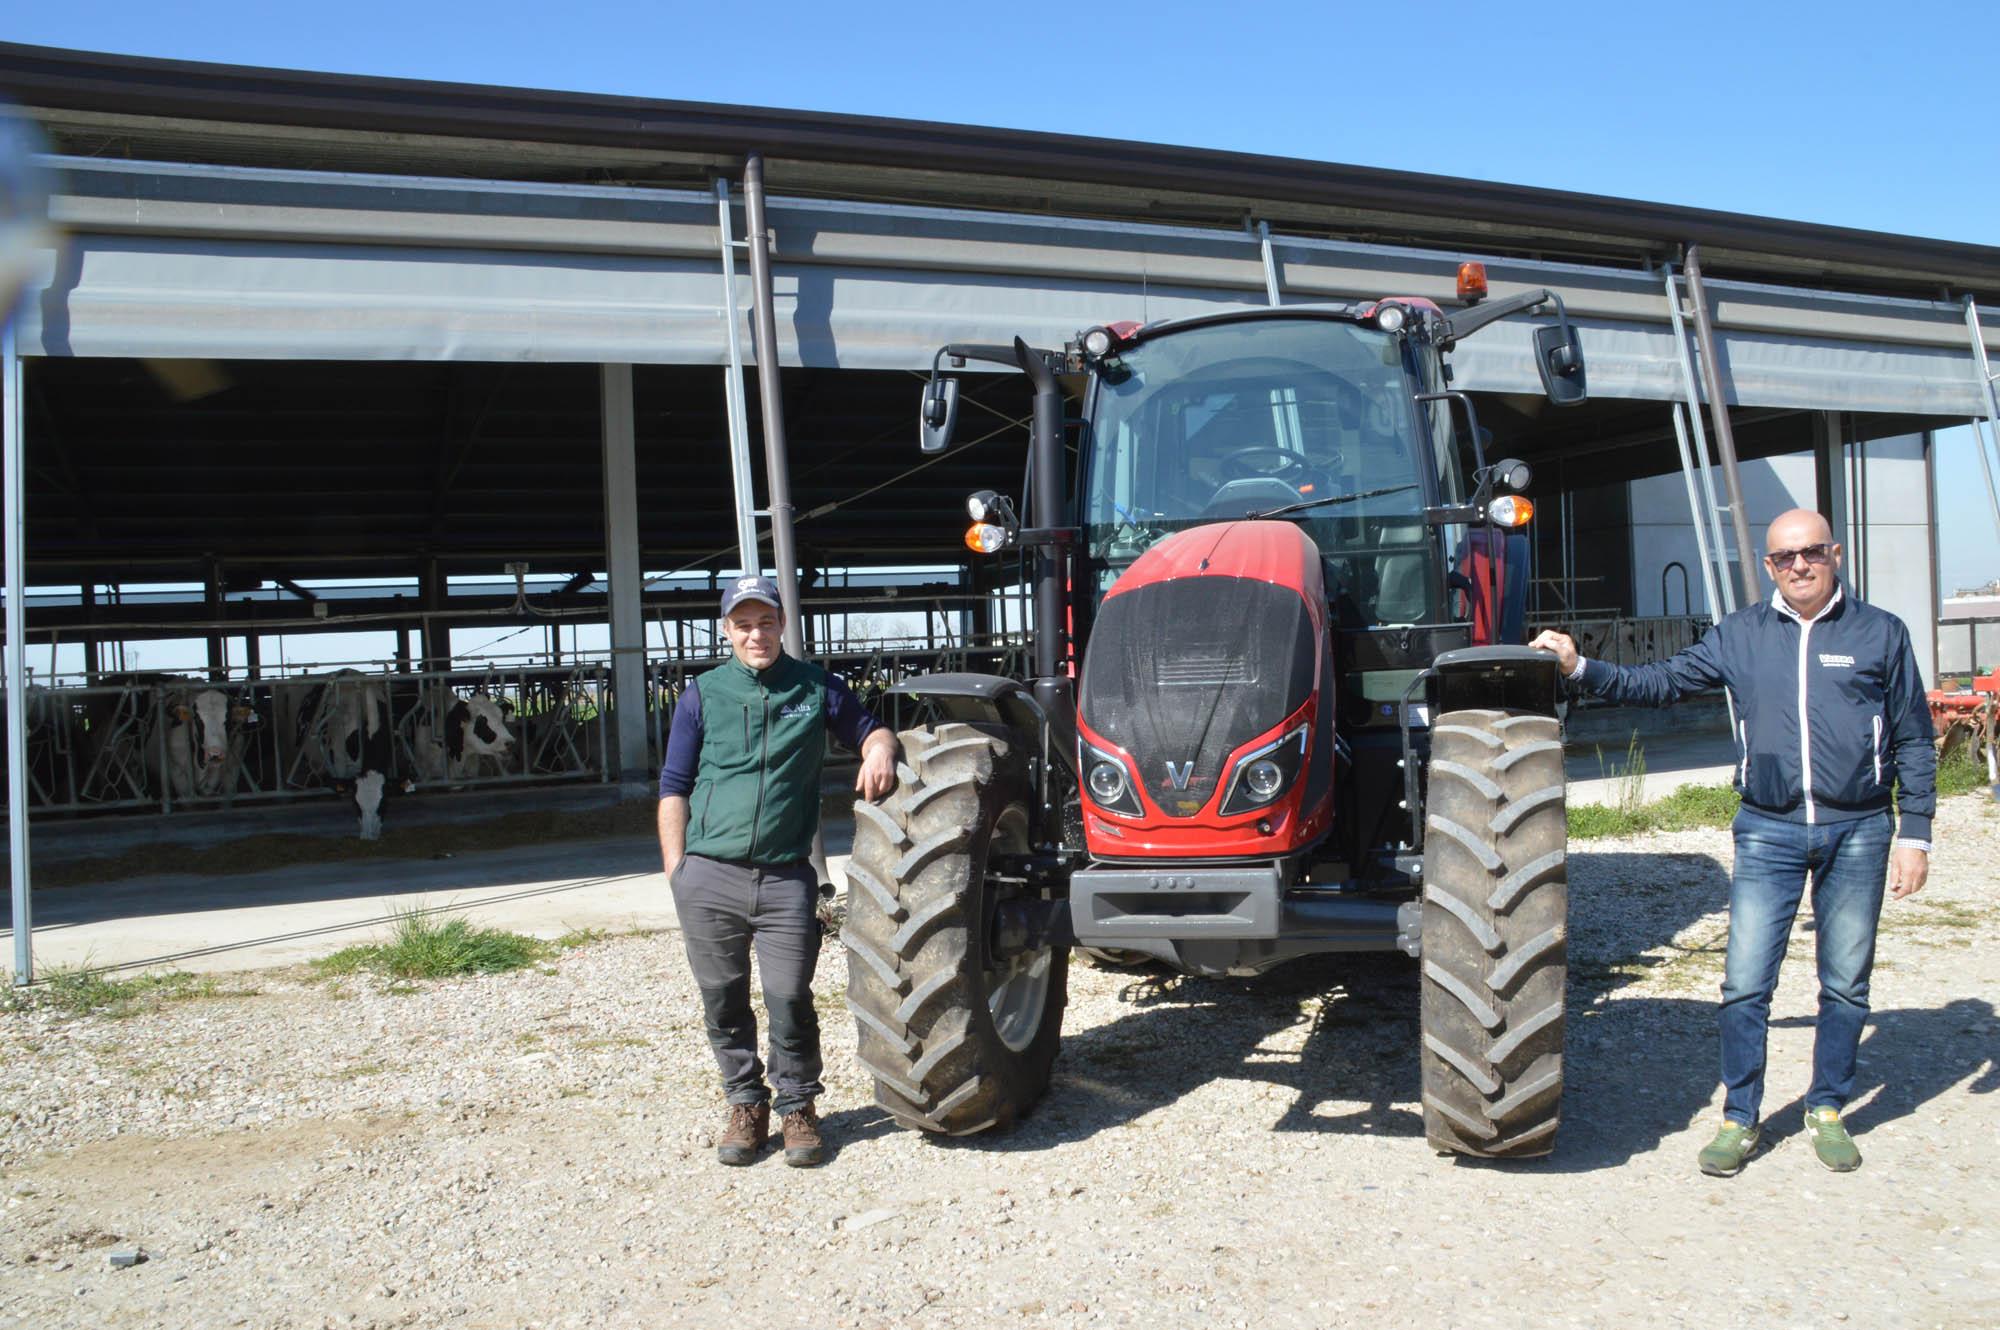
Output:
x=1274 y=712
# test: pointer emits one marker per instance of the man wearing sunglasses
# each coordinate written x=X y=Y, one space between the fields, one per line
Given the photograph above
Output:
x=1830 y=714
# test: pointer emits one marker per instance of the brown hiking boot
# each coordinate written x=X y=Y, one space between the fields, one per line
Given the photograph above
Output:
x=742 y=1140
x=804 y=1146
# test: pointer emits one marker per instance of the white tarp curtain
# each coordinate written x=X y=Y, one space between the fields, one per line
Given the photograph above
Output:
x=260 y=267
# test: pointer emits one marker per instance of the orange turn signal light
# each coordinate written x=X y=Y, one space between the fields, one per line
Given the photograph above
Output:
x=1510 y=510
x=1472 y=282
x=985 y=538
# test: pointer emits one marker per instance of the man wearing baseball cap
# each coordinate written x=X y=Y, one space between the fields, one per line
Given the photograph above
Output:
x=739 y=807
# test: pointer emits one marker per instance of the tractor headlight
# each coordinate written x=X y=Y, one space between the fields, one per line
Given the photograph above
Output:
x=1109 y=783
x=1260 y=777
x=1097 y=343
x=1390 y=318
x=1263 y=778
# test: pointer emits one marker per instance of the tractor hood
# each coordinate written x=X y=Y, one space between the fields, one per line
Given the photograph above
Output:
x=1210 y=640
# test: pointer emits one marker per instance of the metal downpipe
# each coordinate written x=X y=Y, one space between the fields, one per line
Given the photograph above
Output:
x=777 y=460
x=17 y=653
x=777 y=464
x=1710 y=514
x=1725 y=439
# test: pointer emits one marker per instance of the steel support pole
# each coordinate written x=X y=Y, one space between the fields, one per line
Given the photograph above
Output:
x=1270 y=264
x=1725 y=438
x=1991 y=399
x=1693 y=390
x=11 y=408
x=739 y=424
x=1700 y=528
x=621 y=568
x=777 y=465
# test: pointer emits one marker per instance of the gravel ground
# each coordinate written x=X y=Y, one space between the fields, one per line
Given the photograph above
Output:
x=533 y=1150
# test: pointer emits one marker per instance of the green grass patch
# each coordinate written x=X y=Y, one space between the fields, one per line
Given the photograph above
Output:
x=1688 y=807
x=580 y=937
x=1960 y=773
x=81 y=991
x=431 y=946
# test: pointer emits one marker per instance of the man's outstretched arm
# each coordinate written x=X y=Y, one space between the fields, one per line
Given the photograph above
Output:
x=1657 y=684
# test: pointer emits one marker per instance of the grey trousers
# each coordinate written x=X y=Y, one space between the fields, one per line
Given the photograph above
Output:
x=725 y=909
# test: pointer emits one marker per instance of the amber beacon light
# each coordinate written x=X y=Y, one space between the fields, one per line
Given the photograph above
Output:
x=1472 y=282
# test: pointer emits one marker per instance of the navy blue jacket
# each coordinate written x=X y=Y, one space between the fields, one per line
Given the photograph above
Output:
x=1829 y=713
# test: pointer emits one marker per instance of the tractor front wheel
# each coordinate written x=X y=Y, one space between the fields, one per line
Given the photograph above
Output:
x=1496 y=836
x=957 y=1039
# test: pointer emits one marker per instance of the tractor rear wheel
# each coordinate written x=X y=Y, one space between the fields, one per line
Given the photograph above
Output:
x=1495 y=928
x=957 y=1040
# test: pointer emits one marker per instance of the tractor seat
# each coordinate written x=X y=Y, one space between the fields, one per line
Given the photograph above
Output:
x=1249 y=494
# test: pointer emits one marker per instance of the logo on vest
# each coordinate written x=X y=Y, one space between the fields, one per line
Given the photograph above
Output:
x=1830 y=661
x=792 y=710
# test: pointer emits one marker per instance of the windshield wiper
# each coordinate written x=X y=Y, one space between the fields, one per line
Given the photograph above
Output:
x=1329 y=499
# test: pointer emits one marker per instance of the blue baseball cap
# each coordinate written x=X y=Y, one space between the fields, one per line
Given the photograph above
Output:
x=751 y=588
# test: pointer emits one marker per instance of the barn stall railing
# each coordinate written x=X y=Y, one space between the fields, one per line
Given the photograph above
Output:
x=131 y=745
x=109 y=747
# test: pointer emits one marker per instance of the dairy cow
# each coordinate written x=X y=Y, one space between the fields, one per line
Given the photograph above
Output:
x=340 y=728
x=204 y=743
x=474 y=740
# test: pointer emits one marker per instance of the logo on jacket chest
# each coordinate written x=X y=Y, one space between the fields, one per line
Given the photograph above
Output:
x=794 y=710
x=1830 y=661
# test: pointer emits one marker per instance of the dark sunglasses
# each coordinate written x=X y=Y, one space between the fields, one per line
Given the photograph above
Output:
x=1813 y=554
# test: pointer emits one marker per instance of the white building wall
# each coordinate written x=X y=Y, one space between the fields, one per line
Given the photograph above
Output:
x=1889 y=562
x=1662 y=531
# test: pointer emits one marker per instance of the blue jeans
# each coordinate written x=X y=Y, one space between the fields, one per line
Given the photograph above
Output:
x=1847 y=863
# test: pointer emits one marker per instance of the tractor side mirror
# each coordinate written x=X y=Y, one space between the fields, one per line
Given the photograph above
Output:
x=939 y=417
x=1559 y=360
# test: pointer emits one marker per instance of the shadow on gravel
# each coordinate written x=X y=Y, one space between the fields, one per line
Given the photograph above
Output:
x=1185 y=1032
x=1909 y=1056
x=853 y=1126
x=1638 y=1069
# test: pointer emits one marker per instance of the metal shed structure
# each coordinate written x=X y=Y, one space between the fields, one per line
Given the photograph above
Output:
x=465 y=324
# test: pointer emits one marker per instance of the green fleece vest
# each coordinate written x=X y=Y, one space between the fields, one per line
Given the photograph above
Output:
x=763 y=741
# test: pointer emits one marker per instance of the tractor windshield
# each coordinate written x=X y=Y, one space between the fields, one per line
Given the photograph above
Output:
x=1223 y=421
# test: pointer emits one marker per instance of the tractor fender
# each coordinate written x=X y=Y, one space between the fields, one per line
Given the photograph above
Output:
x=1511 y=678
x=993 y=699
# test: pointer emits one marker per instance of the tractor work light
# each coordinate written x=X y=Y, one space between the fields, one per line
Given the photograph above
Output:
x=1472 y=282
x=979 y=504
x=986 y=538
x=1097 y=343
x=1390 y=318
x=1510 y=510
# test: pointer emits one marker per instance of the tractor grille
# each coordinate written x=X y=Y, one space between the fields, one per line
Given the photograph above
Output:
x=1206 y=668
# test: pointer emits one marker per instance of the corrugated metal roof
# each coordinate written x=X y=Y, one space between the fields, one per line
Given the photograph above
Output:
x=95 y=104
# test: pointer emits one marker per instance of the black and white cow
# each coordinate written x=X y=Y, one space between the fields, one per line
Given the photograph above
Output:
x=340 y=725
x=206 y=734
x=475 y=741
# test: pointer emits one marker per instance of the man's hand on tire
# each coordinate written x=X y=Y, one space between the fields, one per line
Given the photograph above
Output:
x=1562 y=645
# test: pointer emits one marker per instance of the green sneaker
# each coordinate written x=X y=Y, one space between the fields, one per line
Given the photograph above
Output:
x=1723 y=1157
x=1831 y=1142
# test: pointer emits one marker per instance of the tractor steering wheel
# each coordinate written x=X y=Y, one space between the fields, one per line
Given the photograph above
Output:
x=1267 y=461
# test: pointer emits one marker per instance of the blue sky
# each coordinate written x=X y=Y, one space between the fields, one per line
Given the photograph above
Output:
x=1874 y=116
